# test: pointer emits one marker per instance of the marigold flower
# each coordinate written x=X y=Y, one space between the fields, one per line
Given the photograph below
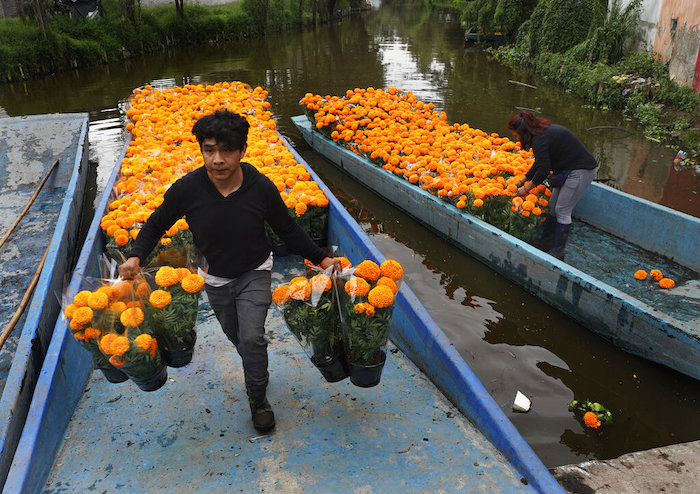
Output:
x=192 y=283
x=655 y=275
x=105 y=341
x=92 y=333
x=75 y=325
x=640 y=274
x=143 y=342
x=380 y=296
x=388 y=282
x=160 y=298
x=300 y=290
x=368 y=270
x=667 y=283
x=78 y=335
x=165 y=241
x=106 y=290
x=591 y=420
x=119 y=346
x=321 y=283
x=359 y=308
x=356 y=287
x=82 y=315
x=369 y=310
x=131 y=317
x=118 y=306
x=68 y=311
x=81 y=298
x=300 y=208
x=153 y=348
x=280 y=295
x=297 y=278
x=121 y=289
x=391 y=269
x=344 y=262
x=117 y=361
x=166 y=276
x=142 y=290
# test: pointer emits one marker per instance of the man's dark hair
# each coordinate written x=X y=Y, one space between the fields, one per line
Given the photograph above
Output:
x=226 y=127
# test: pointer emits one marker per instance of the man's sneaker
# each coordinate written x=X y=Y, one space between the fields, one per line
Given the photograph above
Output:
x=263 y=418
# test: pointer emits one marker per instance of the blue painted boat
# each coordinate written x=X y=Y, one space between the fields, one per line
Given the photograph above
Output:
x=83 y=433
x=28 y=147
x=614 y=234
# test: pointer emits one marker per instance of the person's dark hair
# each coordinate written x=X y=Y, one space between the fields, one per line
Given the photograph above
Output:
x=527 y=126
x=227 y=127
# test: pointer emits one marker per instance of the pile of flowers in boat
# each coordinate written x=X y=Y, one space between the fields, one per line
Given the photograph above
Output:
x=342 y=320
x=467 y=167
x=150 y=325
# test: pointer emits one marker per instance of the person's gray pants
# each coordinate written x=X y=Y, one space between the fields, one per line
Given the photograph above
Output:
x=241 y=308
x=564 y=198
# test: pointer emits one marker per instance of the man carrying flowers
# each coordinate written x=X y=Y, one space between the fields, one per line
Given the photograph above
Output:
x=226 y=203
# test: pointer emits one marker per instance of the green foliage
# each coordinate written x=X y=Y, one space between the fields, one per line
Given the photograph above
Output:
x=557 y=25
x=510 y=14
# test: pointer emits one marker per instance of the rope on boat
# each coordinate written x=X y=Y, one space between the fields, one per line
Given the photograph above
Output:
x=522 y=84
x=29 y=204
x=25 y=300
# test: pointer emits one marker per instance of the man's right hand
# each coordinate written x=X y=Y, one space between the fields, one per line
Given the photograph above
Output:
x=130 y=268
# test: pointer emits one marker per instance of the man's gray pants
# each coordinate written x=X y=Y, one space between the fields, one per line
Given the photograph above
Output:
x=241 y=308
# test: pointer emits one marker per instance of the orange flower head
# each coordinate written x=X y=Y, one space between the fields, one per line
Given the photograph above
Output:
x=388 y=282
x=119 y=346
x=591 y=420
x=106 y=341
x=356 y=287
x=142 y=290
x=359 y=308
x=81 y=298
x=655 y=275
x=192 y=283
x=153 y=349
x=640 y=274
x=121 y=289
x=68 y=311
x=182 y=272
x=82 y=315
x=344 y=262
x=321 y=283
x=92 y=333
x=132 y=317
x=667 y=283
x=166 y=276
x=381 y=296
x=160 y=298
x=369 y=270
x=300 y=290
x=280 y=295
x=143 y=342
x=391 y=269
x=116 y=361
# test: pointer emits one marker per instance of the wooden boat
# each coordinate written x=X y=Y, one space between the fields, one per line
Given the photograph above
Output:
x=614 y=234
x=28 y=149
x=83 y=432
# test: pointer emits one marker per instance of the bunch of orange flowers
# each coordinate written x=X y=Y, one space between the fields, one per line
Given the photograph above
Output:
x=655 y=275
x=164 y=149
x=468 y=167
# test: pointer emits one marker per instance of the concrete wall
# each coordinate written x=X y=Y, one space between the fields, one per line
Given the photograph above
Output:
x=671 y=28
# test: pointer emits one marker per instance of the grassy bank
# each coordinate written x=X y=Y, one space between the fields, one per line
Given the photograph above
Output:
x=121 y=33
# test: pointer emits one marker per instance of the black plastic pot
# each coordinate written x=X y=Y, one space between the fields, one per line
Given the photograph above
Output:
x=113 y=375
x=366 y=376
x=154 y=381
x=333 y=369
x=179 y=355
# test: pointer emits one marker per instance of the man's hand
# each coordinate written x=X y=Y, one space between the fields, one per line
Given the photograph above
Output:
x=130 y=268
x=522 y=191
x=328 y=262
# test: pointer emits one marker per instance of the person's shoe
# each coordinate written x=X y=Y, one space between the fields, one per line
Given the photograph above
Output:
x=546 y=239
x=263 y=418
x=561 y=234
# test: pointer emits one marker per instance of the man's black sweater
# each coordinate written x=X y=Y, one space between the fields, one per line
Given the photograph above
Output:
x=228 y=231
x=557 y=149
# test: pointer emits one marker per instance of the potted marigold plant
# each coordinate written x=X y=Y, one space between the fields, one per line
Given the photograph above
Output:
x=366 y=308
x=309 y=309
x=173 y=308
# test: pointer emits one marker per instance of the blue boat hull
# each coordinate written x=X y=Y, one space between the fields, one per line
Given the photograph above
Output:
x=40 y=139
x=672 y=339
x=67 y=368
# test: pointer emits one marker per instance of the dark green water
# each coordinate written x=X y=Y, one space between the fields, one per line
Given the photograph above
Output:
x=511 y=340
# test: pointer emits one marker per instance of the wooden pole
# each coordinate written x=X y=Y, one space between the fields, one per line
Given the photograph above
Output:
x=29 y=204
x=25 y=300
x=522 y=84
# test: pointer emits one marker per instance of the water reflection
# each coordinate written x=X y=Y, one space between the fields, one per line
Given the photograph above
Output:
x=509 y=338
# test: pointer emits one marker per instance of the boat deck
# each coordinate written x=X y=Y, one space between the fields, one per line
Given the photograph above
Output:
x=330 y=437
x=614 y=261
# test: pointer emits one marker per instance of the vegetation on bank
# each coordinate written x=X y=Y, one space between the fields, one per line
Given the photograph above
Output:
x=39 y=45
x=588 y=48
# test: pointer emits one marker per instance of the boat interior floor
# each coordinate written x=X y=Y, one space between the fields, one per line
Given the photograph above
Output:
x=196 y=431
x=614 y=261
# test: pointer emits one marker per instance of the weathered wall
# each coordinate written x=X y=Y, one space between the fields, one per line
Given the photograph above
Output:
x=672 y=29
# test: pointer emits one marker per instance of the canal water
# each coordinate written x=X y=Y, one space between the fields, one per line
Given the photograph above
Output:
x=510 y=339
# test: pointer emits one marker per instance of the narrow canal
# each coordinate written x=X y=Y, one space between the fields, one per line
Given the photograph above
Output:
x=510 y=339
